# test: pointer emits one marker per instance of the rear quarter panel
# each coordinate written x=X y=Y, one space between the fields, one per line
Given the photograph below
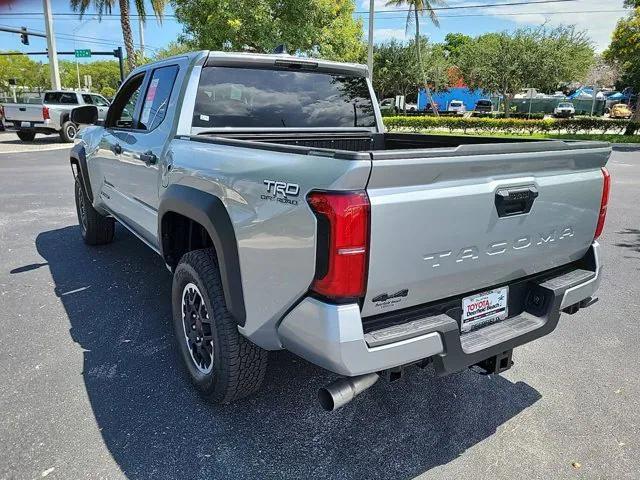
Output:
x=276 y=240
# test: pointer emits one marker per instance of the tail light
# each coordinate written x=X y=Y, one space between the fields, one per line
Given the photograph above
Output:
x=606 y=187
x=343 y=243
x=45 y=113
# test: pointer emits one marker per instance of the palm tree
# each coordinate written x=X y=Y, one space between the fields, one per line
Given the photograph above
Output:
x=416 y=9
x=105 y=7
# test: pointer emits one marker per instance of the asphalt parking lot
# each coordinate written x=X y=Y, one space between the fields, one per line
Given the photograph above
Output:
x=92 y=387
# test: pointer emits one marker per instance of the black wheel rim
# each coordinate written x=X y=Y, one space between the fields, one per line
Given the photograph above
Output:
x=82 y=210
x=198 y=333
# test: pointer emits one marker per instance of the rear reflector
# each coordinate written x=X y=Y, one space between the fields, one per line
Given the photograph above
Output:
x=606 y=187
x=342 y=244
x=45 y=113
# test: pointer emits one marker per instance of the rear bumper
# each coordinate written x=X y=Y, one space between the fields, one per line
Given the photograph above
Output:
x=44 y=126
x=333 y=337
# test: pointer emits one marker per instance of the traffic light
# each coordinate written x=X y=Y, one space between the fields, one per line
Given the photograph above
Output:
x=24 y=38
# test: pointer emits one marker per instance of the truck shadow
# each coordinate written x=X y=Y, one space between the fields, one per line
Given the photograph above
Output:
x=117 y=298
x=630 y=242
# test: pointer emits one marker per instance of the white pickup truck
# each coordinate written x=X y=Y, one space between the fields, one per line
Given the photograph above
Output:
x=52 y=115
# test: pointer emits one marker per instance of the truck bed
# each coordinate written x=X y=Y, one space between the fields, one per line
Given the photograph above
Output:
x=387 y=146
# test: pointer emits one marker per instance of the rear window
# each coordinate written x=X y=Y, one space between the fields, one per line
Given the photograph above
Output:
x=63 y=98
x=484 y=103
x=248 y=97
x=456 y=104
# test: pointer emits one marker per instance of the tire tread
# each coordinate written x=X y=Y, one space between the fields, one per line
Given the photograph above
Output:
x=243 y=365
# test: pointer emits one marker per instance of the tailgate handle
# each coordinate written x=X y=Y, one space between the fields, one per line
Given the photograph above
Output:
x=22 y=109
x=515 y=201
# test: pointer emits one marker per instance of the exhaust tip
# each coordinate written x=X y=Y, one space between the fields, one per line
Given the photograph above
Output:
x=343 y=390
x=326 y=400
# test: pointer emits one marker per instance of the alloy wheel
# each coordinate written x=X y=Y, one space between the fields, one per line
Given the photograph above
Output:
x=198 y=333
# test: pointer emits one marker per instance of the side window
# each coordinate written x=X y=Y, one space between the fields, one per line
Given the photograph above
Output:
x=87 y=99
x=68 y=99
x=157 y=97
x=99 y=101
x=52 y=97
x=124 y=105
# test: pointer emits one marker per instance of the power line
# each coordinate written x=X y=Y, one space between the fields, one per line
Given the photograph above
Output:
x=86 y=39
x=453 y=7
x=471 y=7
x=514 y=14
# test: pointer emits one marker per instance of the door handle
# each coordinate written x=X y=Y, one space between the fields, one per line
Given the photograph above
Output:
x=117 y=149
x=149 y=158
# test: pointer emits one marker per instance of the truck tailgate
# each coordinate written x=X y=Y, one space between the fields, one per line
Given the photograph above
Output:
x=23 y=112
x=445 y=222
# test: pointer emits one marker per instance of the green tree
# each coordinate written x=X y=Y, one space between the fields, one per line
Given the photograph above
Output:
x=541 y=58
x=314 y=27
x=105 y=75
x=624 y=51
x=174 y=48
x=454 y=43
x=28 y=74
x=417 y=9
x=105 y=6
x=396 y=68
x=398 y=72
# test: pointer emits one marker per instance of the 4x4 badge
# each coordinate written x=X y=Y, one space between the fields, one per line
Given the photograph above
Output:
x=383 y=297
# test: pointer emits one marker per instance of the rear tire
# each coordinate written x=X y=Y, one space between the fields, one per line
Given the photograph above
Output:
x=96 y=229
x=222 y=364
x=26 y=136
x=68 y=132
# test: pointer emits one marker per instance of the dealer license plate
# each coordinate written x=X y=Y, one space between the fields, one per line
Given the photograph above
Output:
x=484 y=308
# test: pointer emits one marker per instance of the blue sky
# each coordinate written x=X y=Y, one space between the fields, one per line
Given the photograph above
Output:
x=597 y=17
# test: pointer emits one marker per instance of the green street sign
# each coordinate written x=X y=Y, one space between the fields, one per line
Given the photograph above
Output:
x=84 y=53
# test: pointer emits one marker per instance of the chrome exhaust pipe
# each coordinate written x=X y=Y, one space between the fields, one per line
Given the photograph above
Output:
x=343 y=390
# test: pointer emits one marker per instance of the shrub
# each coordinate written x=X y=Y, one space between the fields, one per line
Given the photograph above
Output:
x=512 y=125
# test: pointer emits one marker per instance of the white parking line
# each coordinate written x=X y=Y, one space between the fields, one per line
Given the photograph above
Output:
x=43 y=148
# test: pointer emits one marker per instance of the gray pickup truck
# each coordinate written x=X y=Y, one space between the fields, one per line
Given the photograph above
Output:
x=291 y=220
x=52 y=115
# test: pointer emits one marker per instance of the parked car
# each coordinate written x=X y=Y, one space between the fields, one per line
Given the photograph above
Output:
x=388 y=106
x=290 y=219
x=564 y=109
x=483 y=106
x=52 y=114
x=1 y=118
x=620 y=110
x=457 y=106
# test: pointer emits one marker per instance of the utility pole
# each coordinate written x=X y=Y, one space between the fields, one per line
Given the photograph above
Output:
x=51 y=46
x=141 y=30
x=370 y=50
x=593 y=101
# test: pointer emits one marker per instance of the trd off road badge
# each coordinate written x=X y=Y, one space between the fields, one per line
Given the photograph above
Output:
x=385 y=300
x=281 y=192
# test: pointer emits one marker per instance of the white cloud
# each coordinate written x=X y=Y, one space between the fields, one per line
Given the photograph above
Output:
x=385 y=34
x=599 y=26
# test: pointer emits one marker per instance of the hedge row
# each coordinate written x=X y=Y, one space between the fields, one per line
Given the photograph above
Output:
x=513 y=125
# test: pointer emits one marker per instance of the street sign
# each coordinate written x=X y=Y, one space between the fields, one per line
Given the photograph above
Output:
x=83 y=53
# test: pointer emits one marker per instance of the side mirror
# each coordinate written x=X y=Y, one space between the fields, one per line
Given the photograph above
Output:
x=85 y=115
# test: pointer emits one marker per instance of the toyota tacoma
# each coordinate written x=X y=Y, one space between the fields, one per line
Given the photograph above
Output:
x=290 y=219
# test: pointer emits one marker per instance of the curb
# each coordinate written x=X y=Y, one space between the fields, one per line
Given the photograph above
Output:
x=625 y=147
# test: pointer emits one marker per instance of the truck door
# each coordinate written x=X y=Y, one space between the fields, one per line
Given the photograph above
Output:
x=138 y=149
